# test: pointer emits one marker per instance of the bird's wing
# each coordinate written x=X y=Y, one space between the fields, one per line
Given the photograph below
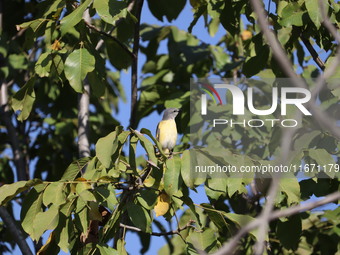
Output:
x=157 y=132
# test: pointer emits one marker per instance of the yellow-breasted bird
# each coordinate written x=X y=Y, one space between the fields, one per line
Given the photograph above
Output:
x=167 y=131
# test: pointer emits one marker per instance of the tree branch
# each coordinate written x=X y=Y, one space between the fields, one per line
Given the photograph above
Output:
x=134 y=68
x=17 y=235
x=18 y=157
x=312 y=52
x=83 y=121
x=230 y=247
x=83 y=112
x=172 y=232
x=266 y=216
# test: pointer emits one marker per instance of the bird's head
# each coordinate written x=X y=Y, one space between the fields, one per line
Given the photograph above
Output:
x=170 y=113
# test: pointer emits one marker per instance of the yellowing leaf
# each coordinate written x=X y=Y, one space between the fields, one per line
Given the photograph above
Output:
x=163 y=204
x=245 y=35
x=56 y=45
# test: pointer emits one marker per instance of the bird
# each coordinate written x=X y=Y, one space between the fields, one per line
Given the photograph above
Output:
x=167 y=131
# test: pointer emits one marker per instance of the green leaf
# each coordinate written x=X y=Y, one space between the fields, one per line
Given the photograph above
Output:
x=257 y=63
x=148 y=132
x=292 y=15
x=105 y=148
x=321 y=156
x=241 y=221
x=75 y=168
x=54 y=194
x=172 y=179
x=56 y=4
x=87 y=195
x=83 y=185
x=43 y=65
x=77 y=65
x=110 y=10
x=291 y=187
x=186 y=173
x=118 y=56
x=132 y=151
x=68 y=208
x=73 y=18
x=216 y=187
x=65 y=228
x=230 y=18
x=139 y=217
x=97 y=83
x=23 y=100
x=106 y=195
x=34 y=24
x=324 y=160
x=45 y=221
x=57 y=65
x=17 y=61
x=216 y=217
x=235 y=185
x=289 y=232
x=202 y=241
x=82 y=219
x=31 y=207
x=9 y=191
x=148 y=146
x=104 y=249
x=147 y=198
x=121 y=247
x=188 y=201
x=314 y=11
x=169 y=9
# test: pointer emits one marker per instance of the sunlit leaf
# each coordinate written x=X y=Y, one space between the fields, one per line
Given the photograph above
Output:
x=110 y=11
x=77 y=65
x=9 y=191
x=74 y=17
x=163 y=204
x=172 y=176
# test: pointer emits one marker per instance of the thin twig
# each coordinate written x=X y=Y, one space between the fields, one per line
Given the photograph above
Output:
x=264 y=217
x=172 y=232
